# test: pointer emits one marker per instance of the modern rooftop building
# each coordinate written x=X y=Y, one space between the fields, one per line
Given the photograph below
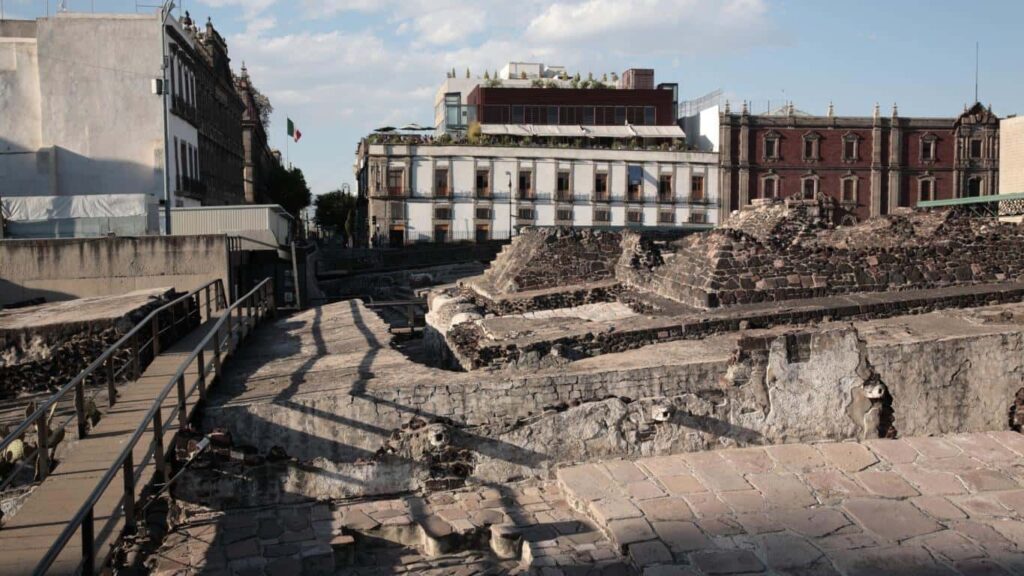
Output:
x=537 y=146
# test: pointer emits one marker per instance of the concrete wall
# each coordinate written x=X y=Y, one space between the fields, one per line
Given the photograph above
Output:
x=75 y=268
x=1011 y=155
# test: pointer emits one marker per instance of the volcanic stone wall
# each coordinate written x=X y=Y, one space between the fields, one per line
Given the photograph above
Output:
x=775 y=256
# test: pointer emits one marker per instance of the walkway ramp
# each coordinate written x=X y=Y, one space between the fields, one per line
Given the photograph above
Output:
x=33 y=536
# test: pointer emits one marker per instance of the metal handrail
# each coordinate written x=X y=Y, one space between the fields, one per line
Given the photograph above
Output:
x=257 y=303
x=78 y=382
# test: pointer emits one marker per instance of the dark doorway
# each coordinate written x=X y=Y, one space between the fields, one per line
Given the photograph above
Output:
x=397 y=237
x=974 y=187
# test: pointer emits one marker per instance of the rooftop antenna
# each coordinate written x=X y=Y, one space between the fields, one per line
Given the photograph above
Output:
x=977 y=60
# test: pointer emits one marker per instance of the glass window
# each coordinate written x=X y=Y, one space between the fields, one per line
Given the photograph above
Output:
x=770 y=187
x=850 y=149
x=517 y=115
x=810 y=185
x=441 y=182
x=552 y=114
x=483 y=178
x=650 y=115
x=588 y=116
x=665 y=188
x=525 y=184
x=620 y=115
x=697 y=188
x=601 y=182
x=453 y=109
x=635 y=184
x=928 y=150
x=976 y=148
x=771 y=148
x=849 y=190
x=927 y=190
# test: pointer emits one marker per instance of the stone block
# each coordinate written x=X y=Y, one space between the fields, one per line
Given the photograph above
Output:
x=892 y=520
x=847 y=456
x=886 y=484
x=628 y=531
x=727 y=562
x=670 y=508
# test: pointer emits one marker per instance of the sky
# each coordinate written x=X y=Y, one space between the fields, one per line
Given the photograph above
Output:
x=340 y=68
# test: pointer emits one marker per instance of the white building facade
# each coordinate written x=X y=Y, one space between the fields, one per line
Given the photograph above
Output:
x=436 y=193
x=82 y=139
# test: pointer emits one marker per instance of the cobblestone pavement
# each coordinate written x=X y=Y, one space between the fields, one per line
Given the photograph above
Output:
x=444 y=533
x=942 y=505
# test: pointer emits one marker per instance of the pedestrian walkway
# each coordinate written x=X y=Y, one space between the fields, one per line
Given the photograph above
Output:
x=26 y=537
x=946 y=505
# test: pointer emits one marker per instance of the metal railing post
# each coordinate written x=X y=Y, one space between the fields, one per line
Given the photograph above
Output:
x=80 y=407
x=158 y=446
x=201 y=359
x=128 y=471
x=181 y=402
x=137 y=357
x=216 y=353
x=156 y=336
x=231 y=332
x=209 y=305
x=111 y=383
x=88 y=544
x=43 y=449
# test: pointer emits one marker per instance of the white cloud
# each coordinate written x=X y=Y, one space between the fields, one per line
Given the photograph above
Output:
x=250 y=8
x=651 y=26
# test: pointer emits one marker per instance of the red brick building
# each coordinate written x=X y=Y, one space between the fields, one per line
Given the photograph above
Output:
x=869 y=165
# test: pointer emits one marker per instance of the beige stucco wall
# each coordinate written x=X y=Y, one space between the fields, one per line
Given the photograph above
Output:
x=62 y=269
x=1011 y=155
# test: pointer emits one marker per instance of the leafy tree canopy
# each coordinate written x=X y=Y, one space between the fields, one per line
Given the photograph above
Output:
x=289 y=189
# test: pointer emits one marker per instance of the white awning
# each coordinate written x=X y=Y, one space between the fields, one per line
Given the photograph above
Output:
x=575 y=131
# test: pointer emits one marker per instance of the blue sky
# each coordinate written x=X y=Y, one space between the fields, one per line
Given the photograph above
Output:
x=339 y=68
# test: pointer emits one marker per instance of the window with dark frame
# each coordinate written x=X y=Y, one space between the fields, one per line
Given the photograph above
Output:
x=442 y=213
x=601 y=187
x=698 y=218
x=849 y=190
x=483 y=213
x=602 y=216
x=665 y=193
x=809 y=188
x=771 y=147
x=562 y=185
x=525 y=214
x=441 y=182
x=927 y=190
x=564 y=214
x=696 y=188
x=811 y=148
x=395 y=178
x=976 y=148
x=928 y=149
x=850 y=148
x=635 y=217
x=650 y=115
x=666 y=217
x=525 y=184
x=483 y=182
x=635 y=185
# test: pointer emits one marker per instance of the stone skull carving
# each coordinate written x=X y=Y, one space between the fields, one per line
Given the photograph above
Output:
x=662 y=412
x=874 y=390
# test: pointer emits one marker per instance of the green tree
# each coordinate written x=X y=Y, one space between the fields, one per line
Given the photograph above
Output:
x=289 y=189
x=336 y=210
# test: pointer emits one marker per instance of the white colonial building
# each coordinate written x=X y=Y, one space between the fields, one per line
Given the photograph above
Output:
x=436 y=192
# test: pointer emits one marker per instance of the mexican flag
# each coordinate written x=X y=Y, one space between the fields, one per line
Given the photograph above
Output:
x=293 y=132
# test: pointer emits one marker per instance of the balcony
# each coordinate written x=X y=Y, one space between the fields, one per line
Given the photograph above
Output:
x=182 y=109
x=602 y=196
x=635 y=196
x=666 y=198
x=563 y=196
x=442 y=192
x=526 y=195
x=484 y=193
x=190 y=187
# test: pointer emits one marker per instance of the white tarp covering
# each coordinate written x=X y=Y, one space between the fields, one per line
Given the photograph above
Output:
x=543 y=130
x=42 y=208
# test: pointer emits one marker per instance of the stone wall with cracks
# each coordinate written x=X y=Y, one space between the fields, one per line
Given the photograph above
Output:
x=835 y=381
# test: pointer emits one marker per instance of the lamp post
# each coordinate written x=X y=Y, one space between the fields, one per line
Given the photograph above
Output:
x=165 y=12
x=509 y=174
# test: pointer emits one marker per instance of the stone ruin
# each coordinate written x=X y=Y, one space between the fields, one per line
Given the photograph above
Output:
x=43 y=347
x=763 y=260
x=582 y=346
